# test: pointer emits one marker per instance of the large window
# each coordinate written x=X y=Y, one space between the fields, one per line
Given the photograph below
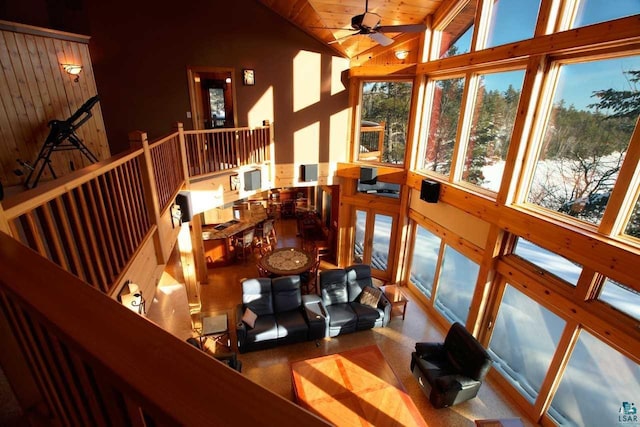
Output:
x=594 y=112
x=385 y=115
x=599 y=388
x=443 y=124
x=524 y=339
x=426 y=249
x=495 y=110
x=458 y=276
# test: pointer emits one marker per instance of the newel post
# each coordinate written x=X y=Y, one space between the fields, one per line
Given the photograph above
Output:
x=179 y=127
x=196 y=221
x=138 y=139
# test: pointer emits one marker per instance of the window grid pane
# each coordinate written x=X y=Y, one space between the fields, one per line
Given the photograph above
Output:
x=385 y=117
x=595 y=11
x=586 y=137
x=496 y=107
x=456 y=37
x=426 y=249
x=443 y=125
x=600 y=387
x=512 y=20
x=524 y=339
x=549 y=261
x=381 y=241
x=458 y=276
x=621 y=297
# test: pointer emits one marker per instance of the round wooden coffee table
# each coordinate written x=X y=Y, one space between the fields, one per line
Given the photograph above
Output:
x=287 y=261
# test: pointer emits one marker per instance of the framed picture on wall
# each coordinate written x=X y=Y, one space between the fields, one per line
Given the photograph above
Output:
x=248 y=77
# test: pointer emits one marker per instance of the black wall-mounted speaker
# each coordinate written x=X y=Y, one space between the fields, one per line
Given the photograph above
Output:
x=183 y=199
x=368 y=175
x=430 y=191
x=252 y=180
x=308 y=173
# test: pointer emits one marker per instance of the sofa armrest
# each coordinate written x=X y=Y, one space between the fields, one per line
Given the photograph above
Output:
x=426 y=349
x=311 y=300
x=385 y=306
x=241 y=328
x=456 y=382
x=316 y=313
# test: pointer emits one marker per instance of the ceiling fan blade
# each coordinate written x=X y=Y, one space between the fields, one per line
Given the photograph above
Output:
x=343 y=38
x=380 y=39
x=409 y=28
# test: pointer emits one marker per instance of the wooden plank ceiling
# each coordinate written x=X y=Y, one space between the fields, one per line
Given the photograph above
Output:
x=330 y=20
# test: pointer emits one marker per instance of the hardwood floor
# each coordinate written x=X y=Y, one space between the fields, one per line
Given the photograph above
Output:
x=271 y=368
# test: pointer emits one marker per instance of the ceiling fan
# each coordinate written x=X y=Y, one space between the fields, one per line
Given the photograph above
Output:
x=368 y=24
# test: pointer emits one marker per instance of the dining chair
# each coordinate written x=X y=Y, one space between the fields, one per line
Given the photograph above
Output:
x=309 y=279
x=265 y=249
x=245 y=243
x=269 y=231
x=262 y=272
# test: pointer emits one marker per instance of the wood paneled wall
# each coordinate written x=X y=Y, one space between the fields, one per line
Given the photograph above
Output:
x=34 y=89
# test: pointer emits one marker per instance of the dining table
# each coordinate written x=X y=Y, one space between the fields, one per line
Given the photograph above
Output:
x=287 y=261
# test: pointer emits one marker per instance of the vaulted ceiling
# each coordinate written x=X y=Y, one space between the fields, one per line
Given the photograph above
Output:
x=330 y=20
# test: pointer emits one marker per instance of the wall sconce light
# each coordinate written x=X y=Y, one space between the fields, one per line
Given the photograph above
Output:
x=402 y=54
x=134 y=300
x=73 y=70
x=227 y=80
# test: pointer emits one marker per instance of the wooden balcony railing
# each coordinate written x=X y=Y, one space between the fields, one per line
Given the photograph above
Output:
x=90 y=222
x=93 y=362
x=371 y=141
x=78 y=356
x=167 y=157
x=218 y=150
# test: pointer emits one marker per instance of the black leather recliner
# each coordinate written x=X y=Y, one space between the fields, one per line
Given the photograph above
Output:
x=451 y=372
x=339 y=303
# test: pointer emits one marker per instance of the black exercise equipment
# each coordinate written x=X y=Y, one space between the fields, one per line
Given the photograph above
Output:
x=62 y=137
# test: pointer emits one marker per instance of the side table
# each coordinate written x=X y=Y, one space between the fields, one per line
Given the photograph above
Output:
x=216 y=327
x=396 y=298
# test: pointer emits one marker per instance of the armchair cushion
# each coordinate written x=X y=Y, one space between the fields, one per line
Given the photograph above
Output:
x=265 y=329
x=286 y=293
x=256 y=294
x=334 y=287
x=358 y=278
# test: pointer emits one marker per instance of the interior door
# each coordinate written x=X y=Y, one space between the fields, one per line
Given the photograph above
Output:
x=373 y=243
x=212 y=97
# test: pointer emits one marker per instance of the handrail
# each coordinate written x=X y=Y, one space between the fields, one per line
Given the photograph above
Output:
x=24 y=202
x=97 y=363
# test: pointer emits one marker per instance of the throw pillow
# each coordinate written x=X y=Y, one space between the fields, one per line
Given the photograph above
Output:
x=370 y=296
x=249 y=317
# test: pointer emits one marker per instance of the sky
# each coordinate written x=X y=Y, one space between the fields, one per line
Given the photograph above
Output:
x=515 y=20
